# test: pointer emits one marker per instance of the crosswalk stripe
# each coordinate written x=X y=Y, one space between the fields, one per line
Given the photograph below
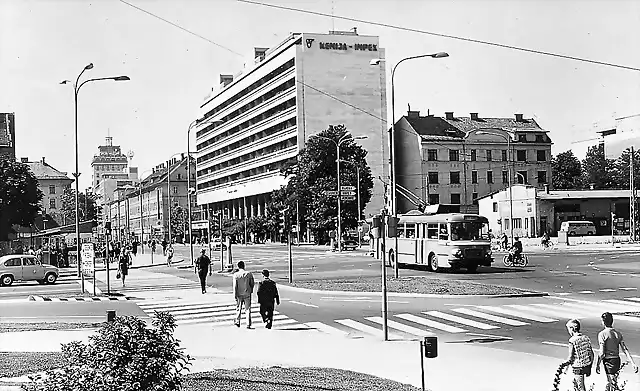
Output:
x=518 y=314
x=213 y=312
x=253 y=316
x=226 y=318
x=400 y=326
x=458 y=319
x=325 y=328
x=628 y=318
x=360 y=326
x=213 y=307
x=567 y=313
x=631 y=306
x=595 y=310
x=430 y=323
x=493 y=318
x=546 y=312
x=633 y=298
x=596 y=305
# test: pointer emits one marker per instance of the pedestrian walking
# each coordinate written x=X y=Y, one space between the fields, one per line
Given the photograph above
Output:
x=134 y=247
x=243 y=289
x=123 y=266
x=580 y=354
x=267 y=295
x=610 y=341
x=169 y=254
x=153 y=246
x=203 y=265
x=164 y=244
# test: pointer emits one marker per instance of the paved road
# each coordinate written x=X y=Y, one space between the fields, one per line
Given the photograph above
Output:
x=21 y=290
x=72 y=311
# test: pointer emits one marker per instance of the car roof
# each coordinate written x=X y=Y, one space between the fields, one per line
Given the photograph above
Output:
x=9 y=256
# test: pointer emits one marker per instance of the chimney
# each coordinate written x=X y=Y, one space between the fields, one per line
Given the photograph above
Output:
x=448 y=114
x=474 y=116
x=413 y=114
x=44 y=161
x=226 y=79
x=24 y=160
x=259 y=53
x=182 y=156
x=546 y=188
x=519 y=118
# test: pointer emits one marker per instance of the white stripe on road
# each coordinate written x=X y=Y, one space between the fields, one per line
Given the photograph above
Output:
x=543 y=311
x=324 y=328
x=627 y=318
x=628 y=289
x=633 y=306
x=430 y=323
x=586 y=292
x=597 y=305
x=192 y=305
x=607 y=290
x=554 y=343
x=517 y=314
x=205 y=317
x=361 y=327
x=633 y=298
x=304 y=304
x=458 y=319
x=554 y=309
x=493 y=318
x=400 y=326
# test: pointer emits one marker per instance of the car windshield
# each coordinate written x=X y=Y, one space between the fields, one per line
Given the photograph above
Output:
x=469 y=231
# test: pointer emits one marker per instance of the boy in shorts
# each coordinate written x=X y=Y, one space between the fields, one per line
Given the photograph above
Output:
x=610 y=341
x=580 y=354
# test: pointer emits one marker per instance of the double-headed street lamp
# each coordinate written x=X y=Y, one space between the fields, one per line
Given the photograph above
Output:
x=392 y=136
x=342 y=139
x=76 y=174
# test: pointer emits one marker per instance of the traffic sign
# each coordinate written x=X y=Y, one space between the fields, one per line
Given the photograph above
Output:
x=348 y=198
x=347 y=187
x=332 y=192
x=348 y=193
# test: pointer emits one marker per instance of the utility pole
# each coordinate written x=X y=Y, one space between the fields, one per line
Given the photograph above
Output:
x=632 y=200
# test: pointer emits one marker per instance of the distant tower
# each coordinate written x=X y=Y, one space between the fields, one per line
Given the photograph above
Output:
x=130 y=155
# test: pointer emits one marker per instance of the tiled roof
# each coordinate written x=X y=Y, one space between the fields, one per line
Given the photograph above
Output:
x=459 y=126
x=44 y=171
x=439 y=138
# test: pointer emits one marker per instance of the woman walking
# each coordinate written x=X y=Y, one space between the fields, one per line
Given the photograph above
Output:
x=169 y=253
x=123 y=265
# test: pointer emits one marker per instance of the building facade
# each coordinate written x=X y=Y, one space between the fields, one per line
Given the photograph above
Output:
x=268 y=111
x=7 y=136
x=52 y=183
x=457 y=160
x=142 y=209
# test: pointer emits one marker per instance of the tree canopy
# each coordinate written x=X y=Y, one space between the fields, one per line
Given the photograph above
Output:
x=86 y=206
x=19 y=196
x=567 y=171
x=597 y=170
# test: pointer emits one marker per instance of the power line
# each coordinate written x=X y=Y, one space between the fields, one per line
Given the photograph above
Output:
x=181 y=28
x=413 y=30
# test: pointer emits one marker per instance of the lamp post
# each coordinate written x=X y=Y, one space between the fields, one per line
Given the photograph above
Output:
x=392 y=137
x=76 y=174
x=342 y=139
x=507 y=136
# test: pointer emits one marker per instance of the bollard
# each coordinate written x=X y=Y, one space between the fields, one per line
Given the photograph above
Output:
x=111 y=315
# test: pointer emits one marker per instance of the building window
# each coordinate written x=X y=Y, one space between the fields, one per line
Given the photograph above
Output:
x=432 y=155
x=175 y=189
x=522 y=138
x=474 y=198
x=505 y=177
x=179 y=176
x=542 y=177
x=506 y=224
x=539 y=138
x=474 y=176
x=522 y=177
x=434 y=199
x=432 y=178
x=473 y=155
x=495 y=206
x=542 y=155
x=52 y=189
x=521 y=155
x=489 y=155
x=489 y=176
x=454 y=177
x=52 y=203
x=504 y=155
x=455 y=198
x=454 y=156
x=517 y=223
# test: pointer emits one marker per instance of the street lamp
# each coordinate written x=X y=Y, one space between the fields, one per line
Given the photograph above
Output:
x=342 y=139
x=198 y=121
x=76 y=174
x=392 y=136
x=507 y=136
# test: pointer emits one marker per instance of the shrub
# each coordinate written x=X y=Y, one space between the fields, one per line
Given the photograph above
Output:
x=125 y=355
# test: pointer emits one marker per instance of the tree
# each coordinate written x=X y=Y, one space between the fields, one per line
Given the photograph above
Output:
x=126 y=354
x=179 y=221
x=86 y=206
x=566 y=171
x=622 y=169
x=20 y=197
x=597 y=170
x=258 y=226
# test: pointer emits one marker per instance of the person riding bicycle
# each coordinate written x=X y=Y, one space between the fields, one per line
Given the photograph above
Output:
x=516 y=248
x=545 y=241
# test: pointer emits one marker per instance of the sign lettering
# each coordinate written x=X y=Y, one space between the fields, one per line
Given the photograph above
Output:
x=343 y=46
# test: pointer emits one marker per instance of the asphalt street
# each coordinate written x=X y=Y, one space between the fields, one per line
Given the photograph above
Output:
x=20 y=290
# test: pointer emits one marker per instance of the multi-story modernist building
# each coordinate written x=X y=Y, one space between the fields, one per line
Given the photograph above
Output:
x=283 y=96
x=137 y=209
x=456 y=160
x=52 y=183
x=7 y=136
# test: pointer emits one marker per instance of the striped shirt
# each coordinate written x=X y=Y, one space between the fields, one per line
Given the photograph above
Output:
x=582 y=350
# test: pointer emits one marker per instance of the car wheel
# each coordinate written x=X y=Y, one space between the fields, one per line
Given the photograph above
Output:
x=433 y=263
x=51 y=278
x=6 y=280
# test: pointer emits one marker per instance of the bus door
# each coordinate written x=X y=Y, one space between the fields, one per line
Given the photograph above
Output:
x=420 y=241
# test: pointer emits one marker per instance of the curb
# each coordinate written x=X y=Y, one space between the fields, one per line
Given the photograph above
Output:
x=283 y=286
x=74 y=299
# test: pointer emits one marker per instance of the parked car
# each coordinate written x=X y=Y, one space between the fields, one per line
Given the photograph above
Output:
x=349 y=244
x=578 y=228
x=26 y=268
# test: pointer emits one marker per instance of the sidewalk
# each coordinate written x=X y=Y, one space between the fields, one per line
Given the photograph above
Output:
x=457 y=367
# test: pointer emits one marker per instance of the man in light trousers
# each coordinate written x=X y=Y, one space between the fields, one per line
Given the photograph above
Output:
x=243 y=289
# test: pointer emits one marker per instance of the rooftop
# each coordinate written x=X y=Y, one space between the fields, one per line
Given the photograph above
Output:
x=43 y=171
x=583 y=194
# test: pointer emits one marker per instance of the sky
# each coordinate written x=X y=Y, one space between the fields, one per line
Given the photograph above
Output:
x=43 y=42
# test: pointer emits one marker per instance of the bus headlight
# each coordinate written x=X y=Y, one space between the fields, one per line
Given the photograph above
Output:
x=489 y=252
x=456 y=253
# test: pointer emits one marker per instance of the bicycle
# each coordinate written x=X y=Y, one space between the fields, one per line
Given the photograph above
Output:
x=510 y=260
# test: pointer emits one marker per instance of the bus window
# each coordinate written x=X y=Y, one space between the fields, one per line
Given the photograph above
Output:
x=400 y=231
x=469 y=231
x=432 y=231
x=410 y=231
x=444 y=232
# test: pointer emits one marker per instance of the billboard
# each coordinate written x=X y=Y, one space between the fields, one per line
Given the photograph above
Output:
x=627 y=135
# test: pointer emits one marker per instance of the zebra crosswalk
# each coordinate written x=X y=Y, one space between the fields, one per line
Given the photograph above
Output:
x=201 y=311
x=475 y=318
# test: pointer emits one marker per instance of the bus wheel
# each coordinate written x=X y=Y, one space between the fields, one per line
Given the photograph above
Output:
x=392 y=259
x=433 y=263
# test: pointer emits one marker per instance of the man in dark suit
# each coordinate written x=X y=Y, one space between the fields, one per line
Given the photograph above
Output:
x=267 y=294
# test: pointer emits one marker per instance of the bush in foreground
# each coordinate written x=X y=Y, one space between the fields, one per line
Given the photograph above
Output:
x=125 y=355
